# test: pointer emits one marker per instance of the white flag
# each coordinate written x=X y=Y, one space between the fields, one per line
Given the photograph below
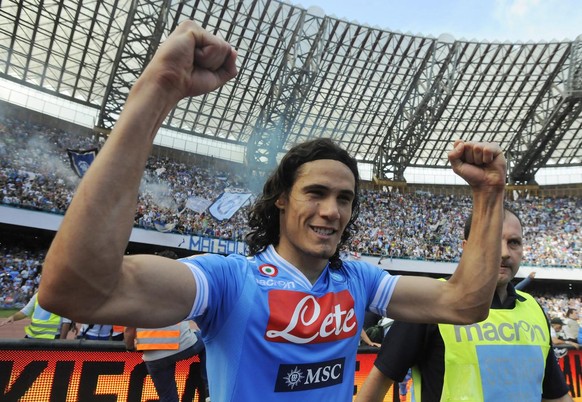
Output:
x=227 y=204
x=198 y=204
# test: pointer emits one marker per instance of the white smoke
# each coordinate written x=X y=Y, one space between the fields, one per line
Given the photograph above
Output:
x=50 y=159
x=159 y=191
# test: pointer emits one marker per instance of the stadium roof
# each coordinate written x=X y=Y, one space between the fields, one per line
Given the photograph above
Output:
x=394 y=100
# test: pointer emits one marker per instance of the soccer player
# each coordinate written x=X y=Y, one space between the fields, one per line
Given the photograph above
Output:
x=284 y=323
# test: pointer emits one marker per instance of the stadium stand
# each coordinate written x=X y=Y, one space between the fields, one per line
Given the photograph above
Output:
x=35 y=174
x=416 y=91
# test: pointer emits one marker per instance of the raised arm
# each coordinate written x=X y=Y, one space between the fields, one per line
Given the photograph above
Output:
x=466 y=296
x=85 y=275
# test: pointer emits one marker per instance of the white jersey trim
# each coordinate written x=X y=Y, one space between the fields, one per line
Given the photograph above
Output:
x=383 y=295
x=202 y=290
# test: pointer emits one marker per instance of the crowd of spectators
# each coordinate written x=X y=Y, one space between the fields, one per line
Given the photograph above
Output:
x=35 y=173
x=20 y=272
x=165 y=190
x=430 y=227
x=557 y=306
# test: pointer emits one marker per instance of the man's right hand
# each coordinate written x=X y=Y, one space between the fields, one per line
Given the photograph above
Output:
x=191 y=62
x=480 y=164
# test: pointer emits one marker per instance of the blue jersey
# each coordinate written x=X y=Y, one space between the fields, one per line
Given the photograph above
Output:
x=271 y=335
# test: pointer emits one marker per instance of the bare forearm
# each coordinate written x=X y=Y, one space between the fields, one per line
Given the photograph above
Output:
x=375 y=387
x=19 y=316
x=65 y=328
x=475 y=278
x=367 y=339
x=565 y=398
x=104 y=210
x=14 y=317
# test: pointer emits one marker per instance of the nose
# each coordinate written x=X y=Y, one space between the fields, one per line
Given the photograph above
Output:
x=329 y=209
x=504 y=250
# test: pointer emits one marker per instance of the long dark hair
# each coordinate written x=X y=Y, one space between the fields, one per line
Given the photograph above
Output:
x=263 y=218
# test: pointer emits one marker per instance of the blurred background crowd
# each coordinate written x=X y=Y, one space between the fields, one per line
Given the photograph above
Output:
x=35 y=173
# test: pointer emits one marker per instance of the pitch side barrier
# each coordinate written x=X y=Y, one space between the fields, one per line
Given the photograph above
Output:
x=91 y=371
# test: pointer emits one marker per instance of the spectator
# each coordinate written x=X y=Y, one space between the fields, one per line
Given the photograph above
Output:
x=366 y=339
x=162 y=348
x=96 y=332
x=454 y=362
x=43 y=324
x=557 y=334
x=571 y=325
x=524 y=283
x=428 y=226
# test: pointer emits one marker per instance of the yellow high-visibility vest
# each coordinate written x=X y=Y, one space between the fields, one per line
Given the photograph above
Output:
x=43 y=324
x=482 y=359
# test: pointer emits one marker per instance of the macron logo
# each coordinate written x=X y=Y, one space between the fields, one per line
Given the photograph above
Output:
x=506 y=332
x=298 y=317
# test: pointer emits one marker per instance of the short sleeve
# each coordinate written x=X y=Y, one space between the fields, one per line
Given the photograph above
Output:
x=219 y=283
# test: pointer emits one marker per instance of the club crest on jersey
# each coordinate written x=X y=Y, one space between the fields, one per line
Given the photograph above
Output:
x=301 y=318
x=268 y=270
x=300 y=377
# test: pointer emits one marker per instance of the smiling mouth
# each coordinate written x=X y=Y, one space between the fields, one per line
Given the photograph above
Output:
x=323 y=231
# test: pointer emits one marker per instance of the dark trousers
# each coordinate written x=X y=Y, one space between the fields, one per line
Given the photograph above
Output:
x=163 y=372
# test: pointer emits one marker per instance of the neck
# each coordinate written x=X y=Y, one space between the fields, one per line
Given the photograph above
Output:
x=501 y=293
x=310 y=266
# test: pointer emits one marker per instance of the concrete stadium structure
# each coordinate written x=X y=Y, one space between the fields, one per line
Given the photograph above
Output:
x=396 y=101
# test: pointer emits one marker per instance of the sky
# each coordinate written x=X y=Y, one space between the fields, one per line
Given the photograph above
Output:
x=481 y=20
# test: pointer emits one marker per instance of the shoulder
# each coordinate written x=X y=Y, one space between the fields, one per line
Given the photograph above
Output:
x=362 y=268
x=523 y=296
x=212 y=261
x=217 y=275
x=366 y=275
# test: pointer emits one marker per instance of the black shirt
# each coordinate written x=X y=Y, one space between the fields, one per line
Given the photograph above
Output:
x=407 y=345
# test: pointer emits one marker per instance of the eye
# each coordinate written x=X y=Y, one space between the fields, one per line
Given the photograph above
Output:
x=316 y=193
x=344 y=200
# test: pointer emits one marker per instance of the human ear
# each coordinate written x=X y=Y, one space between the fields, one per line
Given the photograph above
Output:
x=281 y=201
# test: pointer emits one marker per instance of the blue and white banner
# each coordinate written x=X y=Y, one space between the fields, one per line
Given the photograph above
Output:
x=198 y=204
x=81 y=160
x=227 y=204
